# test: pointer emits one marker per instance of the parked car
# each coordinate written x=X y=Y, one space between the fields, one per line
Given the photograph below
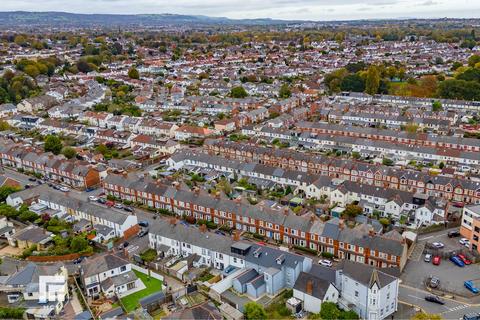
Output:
x=436 y=260
x=471 y=316
x=464 y=241
x=456 y=260
x=453 y=234
x=128 y=209
x=325 y=262
x=32 y=179
x=470 y=286
x=434 y=299
x=78 y=260
x=428 y=257
x=143 y=223
x=64 y=189
x=56 y=187
x=123 y=245
x=434 y=282
x=438 y=245
x=118 y=205
x=109 y=203
x=92 y=198
x=143 y=233
x=459 y=204
x=102 y=200
x=464 y=259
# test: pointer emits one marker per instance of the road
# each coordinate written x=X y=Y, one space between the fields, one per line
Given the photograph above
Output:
x=452 y=309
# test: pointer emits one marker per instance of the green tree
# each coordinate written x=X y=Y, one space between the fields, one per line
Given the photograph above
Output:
x=69 y=152
x=387 y=162
x=5 y=191
x=372 y=81
x=436 y=106
x=78 y=244
x=352 y=210
x=348 y=315
x=84 y=66
x=284 y=92
x=4 y=126
x=254 y=311
x=133 y=73
x=238 y=92
x=473 y=60
x=32 y=71
x=353 y=82
x=329 y=311
x=28 y=216
x=53 y=144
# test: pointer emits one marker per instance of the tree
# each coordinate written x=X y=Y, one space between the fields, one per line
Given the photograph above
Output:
x=84 y=66
x=5 y=191
x=28 y=216
x=352 y=210
x=411 y=128
x=385 y=222
x=69 y=152
x=436 y=106
x=426 y=316
x=133 y=73
x=348 y=315
x=79 y=244
x=387 y=162
x=238 y=92
x=353 y=82
x=284 y=92
x=4 y=126
x=254 y=311
x=329 y=311
x=473 y=60
x=32 y=71
x=53 y=144
x=372 y=81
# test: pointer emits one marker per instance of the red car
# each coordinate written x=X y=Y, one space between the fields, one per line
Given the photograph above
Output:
x=109 y=203
x=464 y=259
x=436 y=260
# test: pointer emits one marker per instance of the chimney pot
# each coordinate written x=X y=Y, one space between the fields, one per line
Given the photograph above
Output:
x=309 y=287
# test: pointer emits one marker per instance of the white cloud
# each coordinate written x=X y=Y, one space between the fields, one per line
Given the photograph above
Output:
x=281 y=9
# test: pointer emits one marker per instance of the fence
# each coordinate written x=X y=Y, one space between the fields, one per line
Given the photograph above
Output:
x=66 y=257
x=149 y=272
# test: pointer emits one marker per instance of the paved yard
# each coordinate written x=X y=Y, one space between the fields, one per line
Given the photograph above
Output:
x=451 y=277
x=10 y=251
x=152 y=285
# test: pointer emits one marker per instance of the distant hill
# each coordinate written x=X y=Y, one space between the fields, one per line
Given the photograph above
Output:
x=59 y=19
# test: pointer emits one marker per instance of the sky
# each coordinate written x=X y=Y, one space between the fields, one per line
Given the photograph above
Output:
x=277 y=9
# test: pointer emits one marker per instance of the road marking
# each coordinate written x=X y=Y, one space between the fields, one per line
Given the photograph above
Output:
x=411 y=295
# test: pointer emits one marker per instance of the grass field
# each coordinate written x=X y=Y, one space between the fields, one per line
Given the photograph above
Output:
x=153 y=285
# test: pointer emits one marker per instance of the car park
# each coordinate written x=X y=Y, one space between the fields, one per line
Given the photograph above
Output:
x=438 y=245
x=457 y=261
x=434 y=299
x=325 y=263
x=436 y=260
x=428 y=257
x=453 y=234
x=471 y=287
x=464 y=259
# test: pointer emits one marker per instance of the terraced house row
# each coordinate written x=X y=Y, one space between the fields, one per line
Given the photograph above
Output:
x=450 y=188
x=323 y=141
x=75 y=173
x=419 y=139
x=361 y=244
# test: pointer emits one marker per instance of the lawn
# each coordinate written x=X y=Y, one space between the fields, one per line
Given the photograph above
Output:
x=153 y=285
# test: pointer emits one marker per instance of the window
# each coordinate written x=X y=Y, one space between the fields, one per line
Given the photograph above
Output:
x=356 y=294
x=123 y=268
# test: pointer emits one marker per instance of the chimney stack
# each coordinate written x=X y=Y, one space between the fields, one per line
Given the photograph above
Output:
x=236 y=235
x=203 y=228
x=309 y=288
x=341 y=224
x=285 y=211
